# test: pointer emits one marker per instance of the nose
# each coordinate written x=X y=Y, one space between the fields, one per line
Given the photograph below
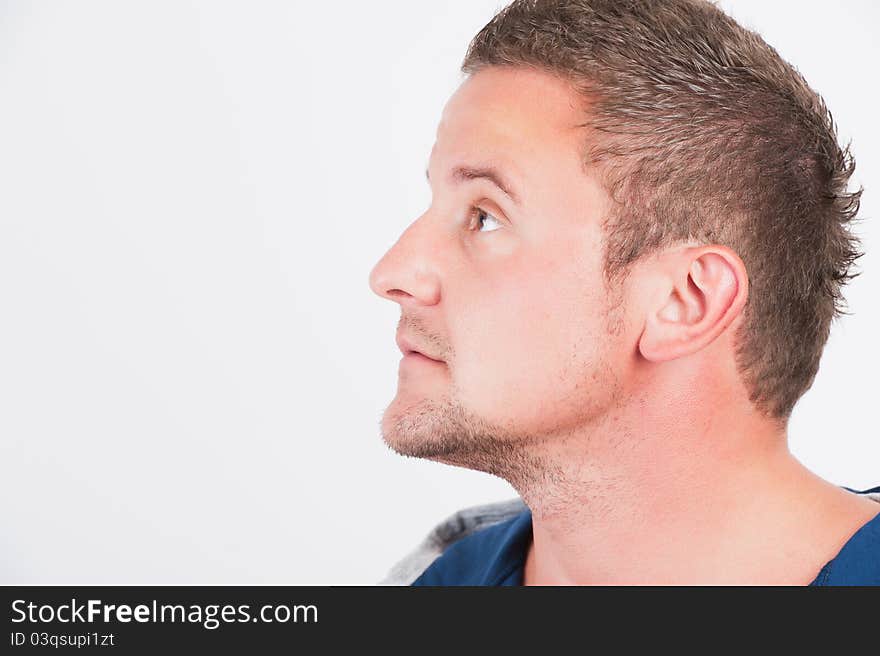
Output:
x=408 y=272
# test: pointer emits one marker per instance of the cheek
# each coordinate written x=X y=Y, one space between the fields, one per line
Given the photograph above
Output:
x=531 y=340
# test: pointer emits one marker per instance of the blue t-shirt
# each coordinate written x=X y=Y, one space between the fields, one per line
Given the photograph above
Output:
x=496 y=555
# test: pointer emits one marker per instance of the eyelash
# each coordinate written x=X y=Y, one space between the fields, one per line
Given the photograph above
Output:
x=474 y=218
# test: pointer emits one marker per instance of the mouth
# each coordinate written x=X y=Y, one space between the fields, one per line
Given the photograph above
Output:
x=421 y=356
x=409 y=350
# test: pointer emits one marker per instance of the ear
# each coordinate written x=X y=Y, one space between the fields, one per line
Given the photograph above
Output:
x=703 y=291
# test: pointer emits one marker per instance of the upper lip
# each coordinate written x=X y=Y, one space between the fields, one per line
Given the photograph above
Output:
x=407 y=346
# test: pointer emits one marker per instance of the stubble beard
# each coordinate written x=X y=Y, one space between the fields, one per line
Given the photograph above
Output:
x=537 y=464
x=444 y=431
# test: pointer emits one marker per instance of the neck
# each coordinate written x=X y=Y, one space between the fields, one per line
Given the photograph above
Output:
x=720 y=500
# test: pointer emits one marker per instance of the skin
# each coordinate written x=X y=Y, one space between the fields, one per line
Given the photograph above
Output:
x=617 y=414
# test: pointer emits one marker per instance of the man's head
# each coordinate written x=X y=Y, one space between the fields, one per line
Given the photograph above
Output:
x=677 y=216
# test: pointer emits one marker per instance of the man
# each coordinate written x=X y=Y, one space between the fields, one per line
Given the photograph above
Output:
x=635 y=249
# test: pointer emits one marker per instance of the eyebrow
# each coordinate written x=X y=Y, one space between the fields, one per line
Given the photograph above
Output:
x=466 y=173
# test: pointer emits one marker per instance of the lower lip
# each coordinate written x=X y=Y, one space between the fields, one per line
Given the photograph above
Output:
x=418 y=357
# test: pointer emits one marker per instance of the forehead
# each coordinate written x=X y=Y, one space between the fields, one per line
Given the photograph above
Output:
x=523 y=121
x=514 y=117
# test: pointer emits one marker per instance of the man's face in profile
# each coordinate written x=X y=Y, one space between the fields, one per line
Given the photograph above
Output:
x=506 y=290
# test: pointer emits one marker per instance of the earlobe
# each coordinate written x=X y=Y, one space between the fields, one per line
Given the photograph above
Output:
x=707 y=290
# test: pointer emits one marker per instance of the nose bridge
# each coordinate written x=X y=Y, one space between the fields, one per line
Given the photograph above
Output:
x=410 y=265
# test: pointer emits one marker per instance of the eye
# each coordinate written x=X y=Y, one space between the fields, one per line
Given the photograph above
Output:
x=476 y=214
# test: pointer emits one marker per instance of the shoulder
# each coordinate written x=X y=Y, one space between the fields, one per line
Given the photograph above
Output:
x=468 y=523
x=858 y=562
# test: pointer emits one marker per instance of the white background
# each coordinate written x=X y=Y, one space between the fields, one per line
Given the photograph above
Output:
x=192 y=364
